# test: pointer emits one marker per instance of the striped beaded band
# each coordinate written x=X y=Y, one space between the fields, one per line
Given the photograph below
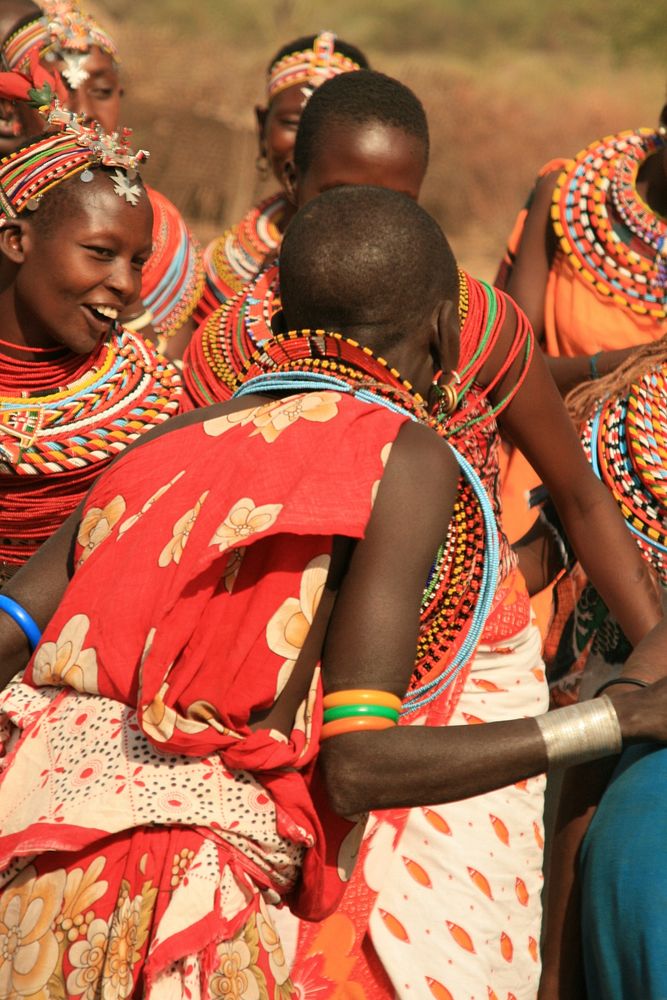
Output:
x=310 y=67
x=27 y=174
x=630 y=267
x=18 y=48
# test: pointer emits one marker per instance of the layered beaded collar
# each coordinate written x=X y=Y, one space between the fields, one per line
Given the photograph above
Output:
x=626 y=444
x=595 y=196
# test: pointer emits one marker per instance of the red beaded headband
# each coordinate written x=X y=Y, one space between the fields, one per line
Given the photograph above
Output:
x=310 y=66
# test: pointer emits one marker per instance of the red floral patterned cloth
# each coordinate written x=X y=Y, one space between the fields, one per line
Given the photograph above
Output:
x=144 y=824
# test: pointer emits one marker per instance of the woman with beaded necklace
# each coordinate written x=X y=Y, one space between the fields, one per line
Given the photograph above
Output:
x=75 y=387
x=71 y=46
x=364 y=128
x=587 y=262
x=295 y=71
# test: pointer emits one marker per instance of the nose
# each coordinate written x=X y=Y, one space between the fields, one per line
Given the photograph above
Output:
x=124 y=280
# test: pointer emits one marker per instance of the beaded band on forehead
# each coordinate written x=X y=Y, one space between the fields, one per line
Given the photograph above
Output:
x=20 y=46
x=310 y=67
x=27 y=174
x=63 y=33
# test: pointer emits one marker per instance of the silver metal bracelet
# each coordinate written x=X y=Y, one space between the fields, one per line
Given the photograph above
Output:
x=580 y=733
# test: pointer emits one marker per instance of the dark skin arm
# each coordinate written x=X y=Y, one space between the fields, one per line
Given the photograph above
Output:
x=371 y=640
x=527 y=285
x=537 y=422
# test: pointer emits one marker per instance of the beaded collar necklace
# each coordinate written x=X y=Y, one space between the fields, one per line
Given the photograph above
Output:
x=626 y=443
x=234 y=258
x=458 y=595
x=602 y=181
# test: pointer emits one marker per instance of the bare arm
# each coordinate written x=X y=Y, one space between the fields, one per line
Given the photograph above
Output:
x=527 y=283
x=371 y=644
x=537 y=422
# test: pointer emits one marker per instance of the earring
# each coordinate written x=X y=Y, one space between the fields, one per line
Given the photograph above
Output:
x=446 y=395
x=262 y=166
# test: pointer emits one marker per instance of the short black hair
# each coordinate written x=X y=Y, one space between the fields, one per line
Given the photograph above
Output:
x=358 y=98
x=307 y=42
x=63 y=201
x=365 y=260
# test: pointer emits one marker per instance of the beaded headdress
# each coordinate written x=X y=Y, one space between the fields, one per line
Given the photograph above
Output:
x=310 y=67
x=64 y=34
x=27 y=174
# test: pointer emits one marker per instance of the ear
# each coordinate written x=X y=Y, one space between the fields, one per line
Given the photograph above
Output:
x=290 y=181
x=261 y=116
x=15 y=240
x=446 y=336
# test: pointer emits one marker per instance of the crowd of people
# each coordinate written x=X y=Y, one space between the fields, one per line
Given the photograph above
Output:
x=276 y=717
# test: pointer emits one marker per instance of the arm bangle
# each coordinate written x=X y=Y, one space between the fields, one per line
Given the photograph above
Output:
x=593 y=366
x=579 y=733
x=621 y=680
x=22 y=618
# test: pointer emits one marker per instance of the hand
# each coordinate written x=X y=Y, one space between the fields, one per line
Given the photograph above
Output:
x=641 y=713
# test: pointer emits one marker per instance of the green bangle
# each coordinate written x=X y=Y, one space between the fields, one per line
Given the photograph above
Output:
x=346 y=711
x=593 y=366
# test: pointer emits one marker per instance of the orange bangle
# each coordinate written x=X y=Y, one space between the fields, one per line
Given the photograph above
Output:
x=362 y=696
x=353 y=724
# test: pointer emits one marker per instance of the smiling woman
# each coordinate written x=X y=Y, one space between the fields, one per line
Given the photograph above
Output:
x=75 y=387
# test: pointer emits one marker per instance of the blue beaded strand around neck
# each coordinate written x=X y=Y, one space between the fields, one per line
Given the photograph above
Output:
x=310 y=381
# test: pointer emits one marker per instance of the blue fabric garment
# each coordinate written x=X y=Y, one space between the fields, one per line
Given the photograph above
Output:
x=624 y=882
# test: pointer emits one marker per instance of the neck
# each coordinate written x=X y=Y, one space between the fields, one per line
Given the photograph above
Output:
x=652 y=182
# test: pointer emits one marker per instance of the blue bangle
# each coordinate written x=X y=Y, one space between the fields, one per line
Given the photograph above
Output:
x=22 y=619
x=593 y=365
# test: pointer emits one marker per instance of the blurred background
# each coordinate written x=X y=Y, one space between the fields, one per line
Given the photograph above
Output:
x=506 y=85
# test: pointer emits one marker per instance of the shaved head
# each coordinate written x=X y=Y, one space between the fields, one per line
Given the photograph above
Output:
x=367 y=262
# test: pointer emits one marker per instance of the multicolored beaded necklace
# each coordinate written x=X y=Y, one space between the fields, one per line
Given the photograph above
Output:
x=216 y=360
x=62 y=419
x=595 y=196
x=233 y=259
x=458 y=595
x=626 y=444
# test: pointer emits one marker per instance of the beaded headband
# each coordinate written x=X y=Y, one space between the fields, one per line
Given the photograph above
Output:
x=63 y=34
x=27 y=174
x=310 y=67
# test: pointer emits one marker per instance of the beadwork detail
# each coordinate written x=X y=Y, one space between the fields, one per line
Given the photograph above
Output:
x=594 y=201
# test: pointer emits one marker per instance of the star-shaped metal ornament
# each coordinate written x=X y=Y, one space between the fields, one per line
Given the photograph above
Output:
x=124 y=188
x=73 y=70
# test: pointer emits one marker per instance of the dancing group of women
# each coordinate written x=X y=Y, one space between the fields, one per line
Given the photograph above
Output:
x=274 y=705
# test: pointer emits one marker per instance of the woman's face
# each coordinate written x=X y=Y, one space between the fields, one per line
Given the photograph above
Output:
x=277 y=127
x=98 y=96
x=78 y=272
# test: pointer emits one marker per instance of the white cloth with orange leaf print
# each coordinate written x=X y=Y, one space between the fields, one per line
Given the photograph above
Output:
x=128 y=747
x=445 y=901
